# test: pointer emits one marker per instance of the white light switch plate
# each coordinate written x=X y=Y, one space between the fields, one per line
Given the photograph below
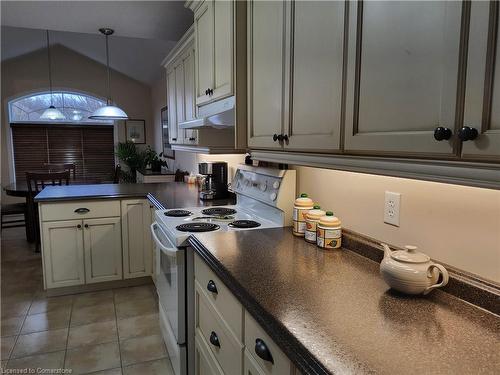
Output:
x=391 y=208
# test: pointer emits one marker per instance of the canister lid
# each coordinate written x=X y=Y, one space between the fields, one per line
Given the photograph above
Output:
x=329 y=220
x=304 y=201
x=315 y=213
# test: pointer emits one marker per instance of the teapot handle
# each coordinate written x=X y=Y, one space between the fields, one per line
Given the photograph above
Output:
x=443 y=273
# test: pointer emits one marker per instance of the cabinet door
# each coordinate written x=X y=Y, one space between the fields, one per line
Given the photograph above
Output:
x=190 y=135
x=317 y=66
x=204 y=37
x=267 y=71
x=402 y=76
x=223 y=49
x=204 y=361
x=180 y=102
x=482 y=100
x=63 y=253
x=172 y=107
x=136 y=238
x=250 y=367
x=103 y=249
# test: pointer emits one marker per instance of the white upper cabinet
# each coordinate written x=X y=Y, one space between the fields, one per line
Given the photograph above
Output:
x=213 y=21
x=172 y=106
x=316 y=72
x=482 y=95
x=403 y=64
x=267 y=72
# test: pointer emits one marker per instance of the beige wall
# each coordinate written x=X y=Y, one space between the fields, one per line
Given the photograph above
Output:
x=454 y=224
x=188 y=161
x=72 y=71
x=158 y=101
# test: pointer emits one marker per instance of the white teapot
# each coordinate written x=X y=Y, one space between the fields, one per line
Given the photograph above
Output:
x=410 y=271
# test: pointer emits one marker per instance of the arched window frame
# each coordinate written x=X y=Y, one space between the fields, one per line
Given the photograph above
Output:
x=64 y=100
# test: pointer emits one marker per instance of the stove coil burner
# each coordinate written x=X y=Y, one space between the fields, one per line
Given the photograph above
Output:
x=178 y=213
x=218 y=211
x=244 y=224
x=197 y=227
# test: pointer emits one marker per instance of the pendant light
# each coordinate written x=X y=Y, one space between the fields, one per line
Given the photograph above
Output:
x=109 y=112
x=51 y=113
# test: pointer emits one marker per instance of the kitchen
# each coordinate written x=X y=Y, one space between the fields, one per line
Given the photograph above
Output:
x=249 y=182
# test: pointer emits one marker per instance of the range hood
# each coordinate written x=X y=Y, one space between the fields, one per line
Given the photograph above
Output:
x=218 y=115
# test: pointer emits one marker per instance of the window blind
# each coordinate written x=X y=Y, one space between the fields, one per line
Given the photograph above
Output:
x=90 y=148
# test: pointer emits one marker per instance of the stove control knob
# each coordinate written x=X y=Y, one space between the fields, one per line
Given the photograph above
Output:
x=276 y=184
x=273 y=196
x=263 y=186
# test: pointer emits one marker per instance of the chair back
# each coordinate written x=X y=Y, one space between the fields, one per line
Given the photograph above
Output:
x=37 y=181
x=53 y=167
x=116 y=176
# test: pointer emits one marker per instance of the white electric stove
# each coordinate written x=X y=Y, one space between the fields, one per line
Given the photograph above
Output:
x=265 y=199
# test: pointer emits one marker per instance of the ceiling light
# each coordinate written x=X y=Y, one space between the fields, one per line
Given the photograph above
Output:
x=51 y=113
x=109 y=112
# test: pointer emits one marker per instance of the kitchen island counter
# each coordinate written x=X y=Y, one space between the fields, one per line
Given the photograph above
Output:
x=331 y=312
x=163 y=195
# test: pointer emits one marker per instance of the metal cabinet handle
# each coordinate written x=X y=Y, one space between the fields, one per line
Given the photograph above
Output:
x=262 y=351
x=206 y=92
x=79 y=226
x=192 y=139
x=86 y=225
x=277 y=137
x=442 y=133
x=214 y=339
x=467 y=134
x=285 y=138
x=174 y=139
x=211 y=287
x=82 y=210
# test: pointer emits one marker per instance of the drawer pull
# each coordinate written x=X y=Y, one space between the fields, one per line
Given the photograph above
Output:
x=214 y=339
x=262 y=351
x=211 y=287
x=82 y=210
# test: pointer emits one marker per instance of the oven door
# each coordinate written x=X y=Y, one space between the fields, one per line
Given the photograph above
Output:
x=171 y=283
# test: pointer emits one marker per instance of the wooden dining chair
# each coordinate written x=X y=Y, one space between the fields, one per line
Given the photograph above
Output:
x=36 y=183
x=54 y=167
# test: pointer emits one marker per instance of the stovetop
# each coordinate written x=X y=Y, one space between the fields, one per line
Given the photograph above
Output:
x=180 y=225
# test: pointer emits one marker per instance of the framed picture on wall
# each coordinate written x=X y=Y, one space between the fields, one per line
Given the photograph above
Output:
x=135 y=131
x=167 y=147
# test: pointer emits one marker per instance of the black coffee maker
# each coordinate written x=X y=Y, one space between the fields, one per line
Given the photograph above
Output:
x=214 y=182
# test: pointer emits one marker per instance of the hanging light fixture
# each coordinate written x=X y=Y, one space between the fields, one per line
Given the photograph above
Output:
x=51 y=113
x=108 y=112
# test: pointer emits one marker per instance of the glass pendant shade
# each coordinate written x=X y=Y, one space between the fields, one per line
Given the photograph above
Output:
x=52 y=113
x=109 y=112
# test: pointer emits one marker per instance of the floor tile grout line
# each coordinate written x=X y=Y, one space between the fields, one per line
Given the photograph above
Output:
x=118 y=332
x=67 y=336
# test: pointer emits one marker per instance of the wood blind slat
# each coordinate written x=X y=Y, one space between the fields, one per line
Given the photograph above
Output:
x=90 y=148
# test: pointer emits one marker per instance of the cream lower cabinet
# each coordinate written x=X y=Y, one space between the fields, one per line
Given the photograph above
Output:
x=136 y=238
x=226 y=335
x=103 y=249
x=63 y=253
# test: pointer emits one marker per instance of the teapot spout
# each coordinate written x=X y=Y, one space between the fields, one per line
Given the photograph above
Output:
x=387 y=250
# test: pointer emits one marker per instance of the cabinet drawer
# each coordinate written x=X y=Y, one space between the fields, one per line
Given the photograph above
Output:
x=79 y=210
x=224 y=346
x=205 y=362
x=223 y=300
x=254 y=332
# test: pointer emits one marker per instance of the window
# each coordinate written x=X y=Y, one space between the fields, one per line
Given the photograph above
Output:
x=89 y=144
x=76 y=107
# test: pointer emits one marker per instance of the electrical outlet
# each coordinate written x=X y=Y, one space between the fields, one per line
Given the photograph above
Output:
x=391 y=208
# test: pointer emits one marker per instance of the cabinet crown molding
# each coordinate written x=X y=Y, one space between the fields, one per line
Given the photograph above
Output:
x=186 y=39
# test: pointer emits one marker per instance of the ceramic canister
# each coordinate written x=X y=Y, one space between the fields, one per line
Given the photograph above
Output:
x=312 y=220
x=300 y=209
x=329 y=232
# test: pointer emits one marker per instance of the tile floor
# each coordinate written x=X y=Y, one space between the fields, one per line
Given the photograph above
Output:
x=108 y=332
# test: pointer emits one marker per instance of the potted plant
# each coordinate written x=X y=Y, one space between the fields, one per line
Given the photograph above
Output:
x=154 y=160
x=135 y=159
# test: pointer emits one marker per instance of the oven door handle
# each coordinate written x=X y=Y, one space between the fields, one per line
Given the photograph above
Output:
x=171 y=250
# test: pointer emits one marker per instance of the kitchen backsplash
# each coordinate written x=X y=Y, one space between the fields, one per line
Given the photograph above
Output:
x=454 y=224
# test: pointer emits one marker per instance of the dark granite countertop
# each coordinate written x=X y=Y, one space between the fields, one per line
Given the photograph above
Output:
x=331 y=312
x=163 y=195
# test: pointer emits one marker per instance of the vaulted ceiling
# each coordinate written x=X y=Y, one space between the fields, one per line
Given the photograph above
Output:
x=145 y=31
